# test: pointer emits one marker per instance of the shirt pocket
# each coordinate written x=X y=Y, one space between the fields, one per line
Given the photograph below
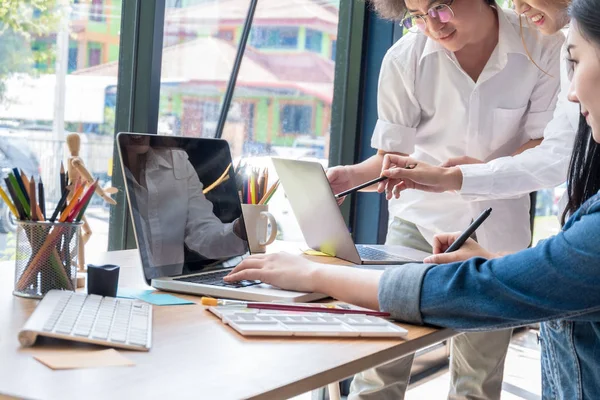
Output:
x=182 y=168
x=506 y=125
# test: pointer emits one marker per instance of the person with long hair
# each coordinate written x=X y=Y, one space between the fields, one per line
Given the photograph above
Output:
x=555 y=282
x=467 y=83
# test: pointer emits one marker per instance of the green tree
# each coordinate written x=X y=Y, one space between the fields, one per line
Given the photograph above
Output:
x=21 y=22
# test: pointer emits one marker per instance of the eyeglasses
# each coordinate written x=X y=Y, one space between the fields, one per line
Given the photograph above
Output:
x=441 y=12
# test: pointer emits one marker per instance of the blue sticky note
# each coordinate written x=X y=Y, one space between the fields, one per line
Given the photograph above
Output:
x=163 y=299
x=131 y=293
x=152 y=297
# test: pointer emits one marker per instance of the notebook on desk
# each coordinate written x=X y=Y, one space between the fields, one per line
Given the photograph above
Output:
x=186 y=215
x=321 y=221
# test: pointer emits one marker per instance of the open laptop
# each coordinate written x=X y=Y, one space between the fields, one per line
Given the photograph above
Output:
x=321 y=221
x=187 y=216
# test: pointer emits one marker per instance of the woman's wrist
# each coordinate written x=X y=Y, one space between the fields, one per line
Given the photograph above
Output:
x=453 y=178
x=316 y=276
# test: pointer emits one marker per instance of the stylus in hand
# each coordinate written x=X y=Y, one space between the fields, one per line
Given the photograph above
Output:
x=367 y=184
x=361 y=186
x=469 y=231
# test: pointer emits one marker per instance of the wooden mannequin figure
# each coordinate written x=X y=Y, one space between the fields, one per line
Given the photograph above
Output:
x=76 y=170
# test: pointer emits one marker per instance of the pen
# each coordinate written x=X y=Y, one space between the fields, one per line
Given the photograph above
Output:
x=367 y=184
x=469 y=231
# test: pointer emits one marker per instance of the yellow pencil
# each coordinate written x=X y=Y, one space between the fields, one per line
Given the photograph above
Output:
x=252 y=188
x=10 y=205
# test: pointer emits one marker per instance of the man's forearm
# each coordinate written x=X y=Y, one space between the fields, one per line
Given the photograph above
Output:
x=529 y=145
x=368 y=170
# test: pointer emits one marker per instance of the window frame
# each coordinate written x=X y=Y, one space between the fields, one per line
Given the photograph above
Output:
x=138 y=97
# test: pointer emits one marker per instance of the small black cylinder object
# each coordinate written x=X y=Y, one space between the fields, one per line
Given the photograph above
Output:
x=102 y=279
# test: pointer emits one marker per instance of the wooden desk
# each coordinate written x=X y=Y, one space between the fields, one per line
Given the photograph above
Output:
x=193 y=355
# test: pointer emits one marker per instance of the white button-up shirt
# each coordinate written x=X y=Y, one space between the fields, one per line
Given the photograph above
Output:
x=541 y=167
x=430 y=108
x=171 y=211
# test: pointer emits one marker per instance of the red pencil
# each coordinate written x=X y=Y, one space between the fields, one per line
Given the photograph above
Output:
x=209 y=301
x=282 y=307
x=84 y=199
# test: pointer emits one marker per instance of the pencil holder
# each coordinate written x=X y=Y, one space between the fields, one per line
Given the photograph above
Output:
x=46 y=257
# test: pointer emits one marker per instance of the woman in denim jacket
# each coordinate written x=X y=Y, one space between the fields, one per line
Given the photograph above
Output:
x=557 y=282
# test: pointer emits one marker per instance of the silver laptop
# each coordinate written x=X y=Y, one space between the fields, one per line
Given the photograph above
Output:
x=321 y=221
x=188 y=226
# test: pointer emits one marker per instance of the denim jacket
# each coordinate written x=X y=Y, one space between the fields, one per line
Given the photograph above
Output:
x=558 y=282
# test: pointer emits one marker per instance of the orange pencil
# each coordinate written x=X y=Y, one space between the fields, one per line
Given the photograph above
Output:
x=71 y=205
x=26 y=184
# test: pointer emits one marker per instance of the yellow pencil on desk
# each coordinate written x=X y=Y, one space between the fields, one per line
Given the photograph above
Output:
x=317 y=307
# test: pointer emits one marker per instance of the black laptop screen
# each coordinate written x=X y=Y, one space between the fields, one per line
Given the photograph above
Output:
x=183 y=201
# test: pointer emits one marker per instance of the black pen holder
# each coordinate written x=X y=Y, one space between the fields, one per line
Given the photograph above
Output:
x=103 y=280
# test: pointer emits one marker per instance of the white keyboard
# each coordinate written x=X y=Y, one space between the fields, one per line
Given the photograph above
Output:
x=256 y=322
x=107 y=321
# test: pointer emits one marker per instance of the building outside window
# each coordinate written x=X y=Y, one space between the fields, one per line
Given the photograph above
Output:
x=274 y=37
x=97 y=11
x=314 y=40
x=94 y=56
x=296 y=119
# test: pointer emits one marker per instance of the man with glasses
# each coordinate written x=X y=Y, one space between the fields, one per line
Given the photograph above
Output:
x=460 y=85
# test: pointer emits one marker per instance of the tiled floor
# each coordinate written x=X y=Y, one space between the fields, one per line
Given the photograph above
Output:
x=522 y=378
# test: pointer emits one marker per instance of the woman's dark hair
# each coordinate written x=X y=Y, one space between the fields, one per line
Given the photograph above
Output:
x=587 y=17
x=395 y=10
x=584 y=171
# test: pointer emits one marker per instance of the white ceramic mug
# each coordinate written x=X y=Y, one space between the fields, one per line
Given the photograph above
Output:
x=257 y=219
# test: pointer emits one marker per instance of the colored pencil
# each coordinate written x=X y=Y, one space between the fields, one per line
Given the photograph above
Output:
x=32 y=198
x=63 y=181
x=15 y=199
x=42 y=197
x=19 y=192
x=21 y=185
x=9 y=203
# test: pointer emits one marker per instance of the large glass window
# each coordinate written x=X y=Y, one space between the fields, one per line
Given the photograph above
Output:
x=549 y=206
x=58 y=75
x=282 y=100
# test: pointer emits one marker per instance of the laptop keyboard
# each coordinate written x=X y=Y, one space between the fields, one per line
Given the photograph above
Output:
x=373 y=254
x=216 y=279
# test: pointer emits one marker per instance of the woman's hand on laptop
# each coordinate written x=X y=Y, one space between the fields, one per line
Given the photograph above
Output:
x=468 y=250
x=283 y=270
x=408 y=173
